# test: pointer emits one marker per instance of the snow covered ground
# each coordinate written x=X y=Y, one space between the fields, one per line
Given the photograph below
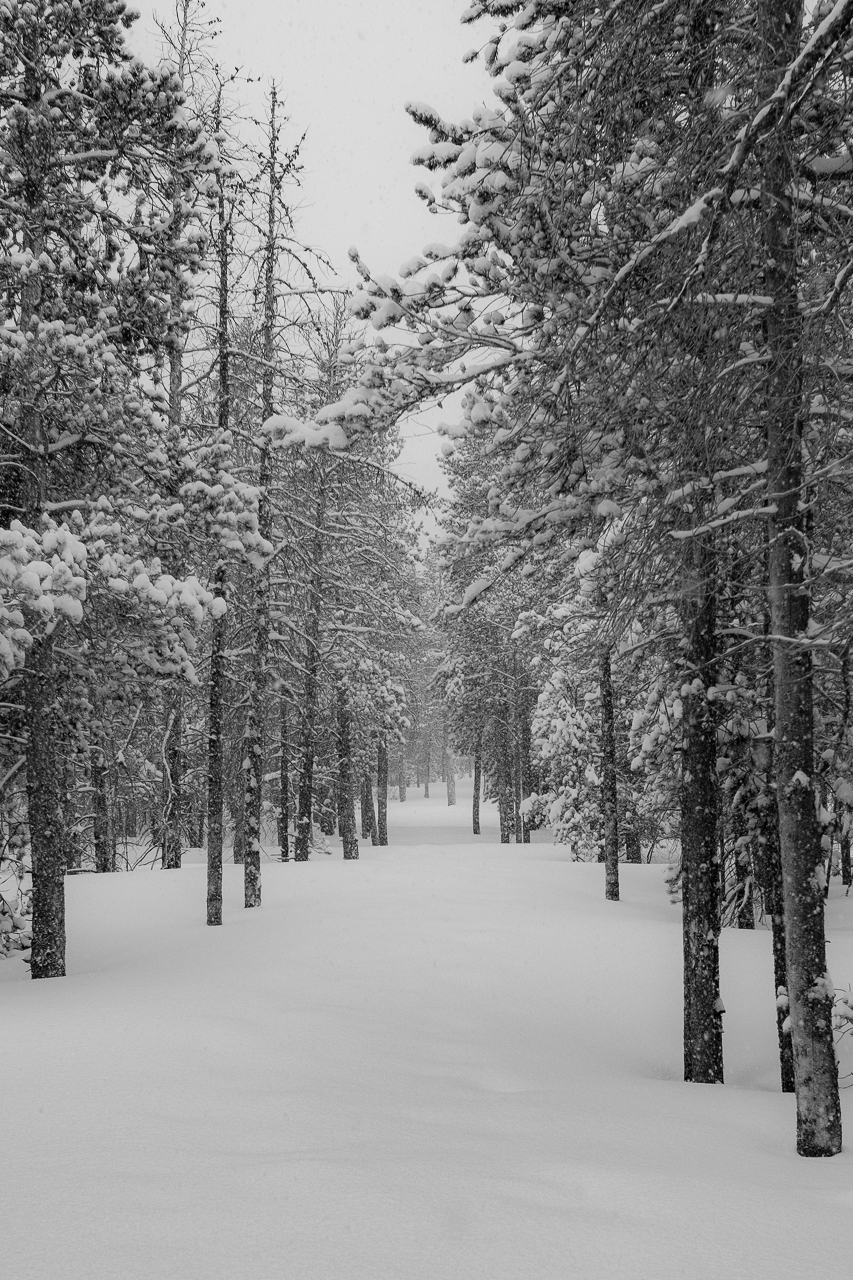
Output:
x=451 y=1060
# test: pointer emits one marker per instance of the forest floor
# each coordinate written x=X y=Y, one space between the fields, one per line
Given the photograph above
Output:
x=450 y=1060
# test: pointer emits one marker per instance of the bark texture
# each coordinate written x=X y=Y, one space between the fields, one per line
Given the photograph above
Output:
x=304 y=817
x=173 y=768
x=284 y=785
x=768 y=870
x=505 y=788
x=609 y=796
x=382 y=790
x=44 y=796
x=369 y=829
x=701 y=868
x=478 y=783
x=810 y=991
x=103 y=830
x=346 y=801
x=215 y=798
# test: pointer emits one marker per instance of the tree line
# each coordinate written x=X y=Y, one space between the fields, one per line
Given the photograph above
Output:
x=210 y=634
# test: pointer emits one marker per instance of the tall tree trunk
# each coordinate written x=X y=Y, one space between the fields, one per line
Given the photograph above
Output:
x=768 y=871
x=253 y=760
x=46 y=826
x=506 y=793
x=525 y=772
x=302 y=843
x=284 y=784
x=700 y=858
x=401 y=779
x=369 y=828
x=173 y=764
x=382 y=790
x=346 y=801
x=102 y=827
x=810 y=990
x=44 y=766
x=478 y=785
x=253 y=735
x=447 y=767
x=171 y=835
x=326 y=797
x=215 y=787
x=427 y=773
x=609 y=796
x=239 y=816
x=215 y=797
x=73 y=852
x=253 y=755
x=450 y=774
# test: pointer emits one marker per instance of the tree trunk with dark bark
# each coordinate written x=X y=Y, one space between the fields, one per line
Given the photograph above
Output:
x=701 y=869
x=525 y=771
x=382 y=790
x=326 y=798
x=215 y=796
x=346 y=801
x=304 y=817
x=284 y=785
x=478 y=784
x=253 y=734
x=216 y=693
x=451 y=781
x=369 y=829
x=173 y=765
x=103 y=827
x=239 y=815
x=768 y=871
x=609 y=796
x=46 y=826
x=102 y=835
x=810 y=991
x=506 y=793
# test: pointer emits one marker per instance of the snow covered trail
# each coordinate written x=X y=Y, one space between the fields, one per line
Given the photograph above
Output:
x=450 y=1060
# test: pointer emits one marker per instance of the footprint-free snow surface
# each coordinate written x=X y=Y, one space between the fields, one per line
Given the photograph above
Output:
x=450 y=1060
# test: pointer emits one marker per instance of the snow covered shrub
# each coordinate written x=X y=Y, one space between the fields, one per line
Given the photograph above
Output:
x=15 y=926
x=15 y=887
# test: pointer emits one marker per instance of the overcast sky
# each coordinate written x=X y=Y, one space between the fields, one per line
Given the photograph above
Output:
x=346 y=69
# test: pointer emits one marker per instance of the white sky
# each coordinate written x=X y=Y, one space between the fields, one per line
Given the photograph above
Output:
x=345 y=69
